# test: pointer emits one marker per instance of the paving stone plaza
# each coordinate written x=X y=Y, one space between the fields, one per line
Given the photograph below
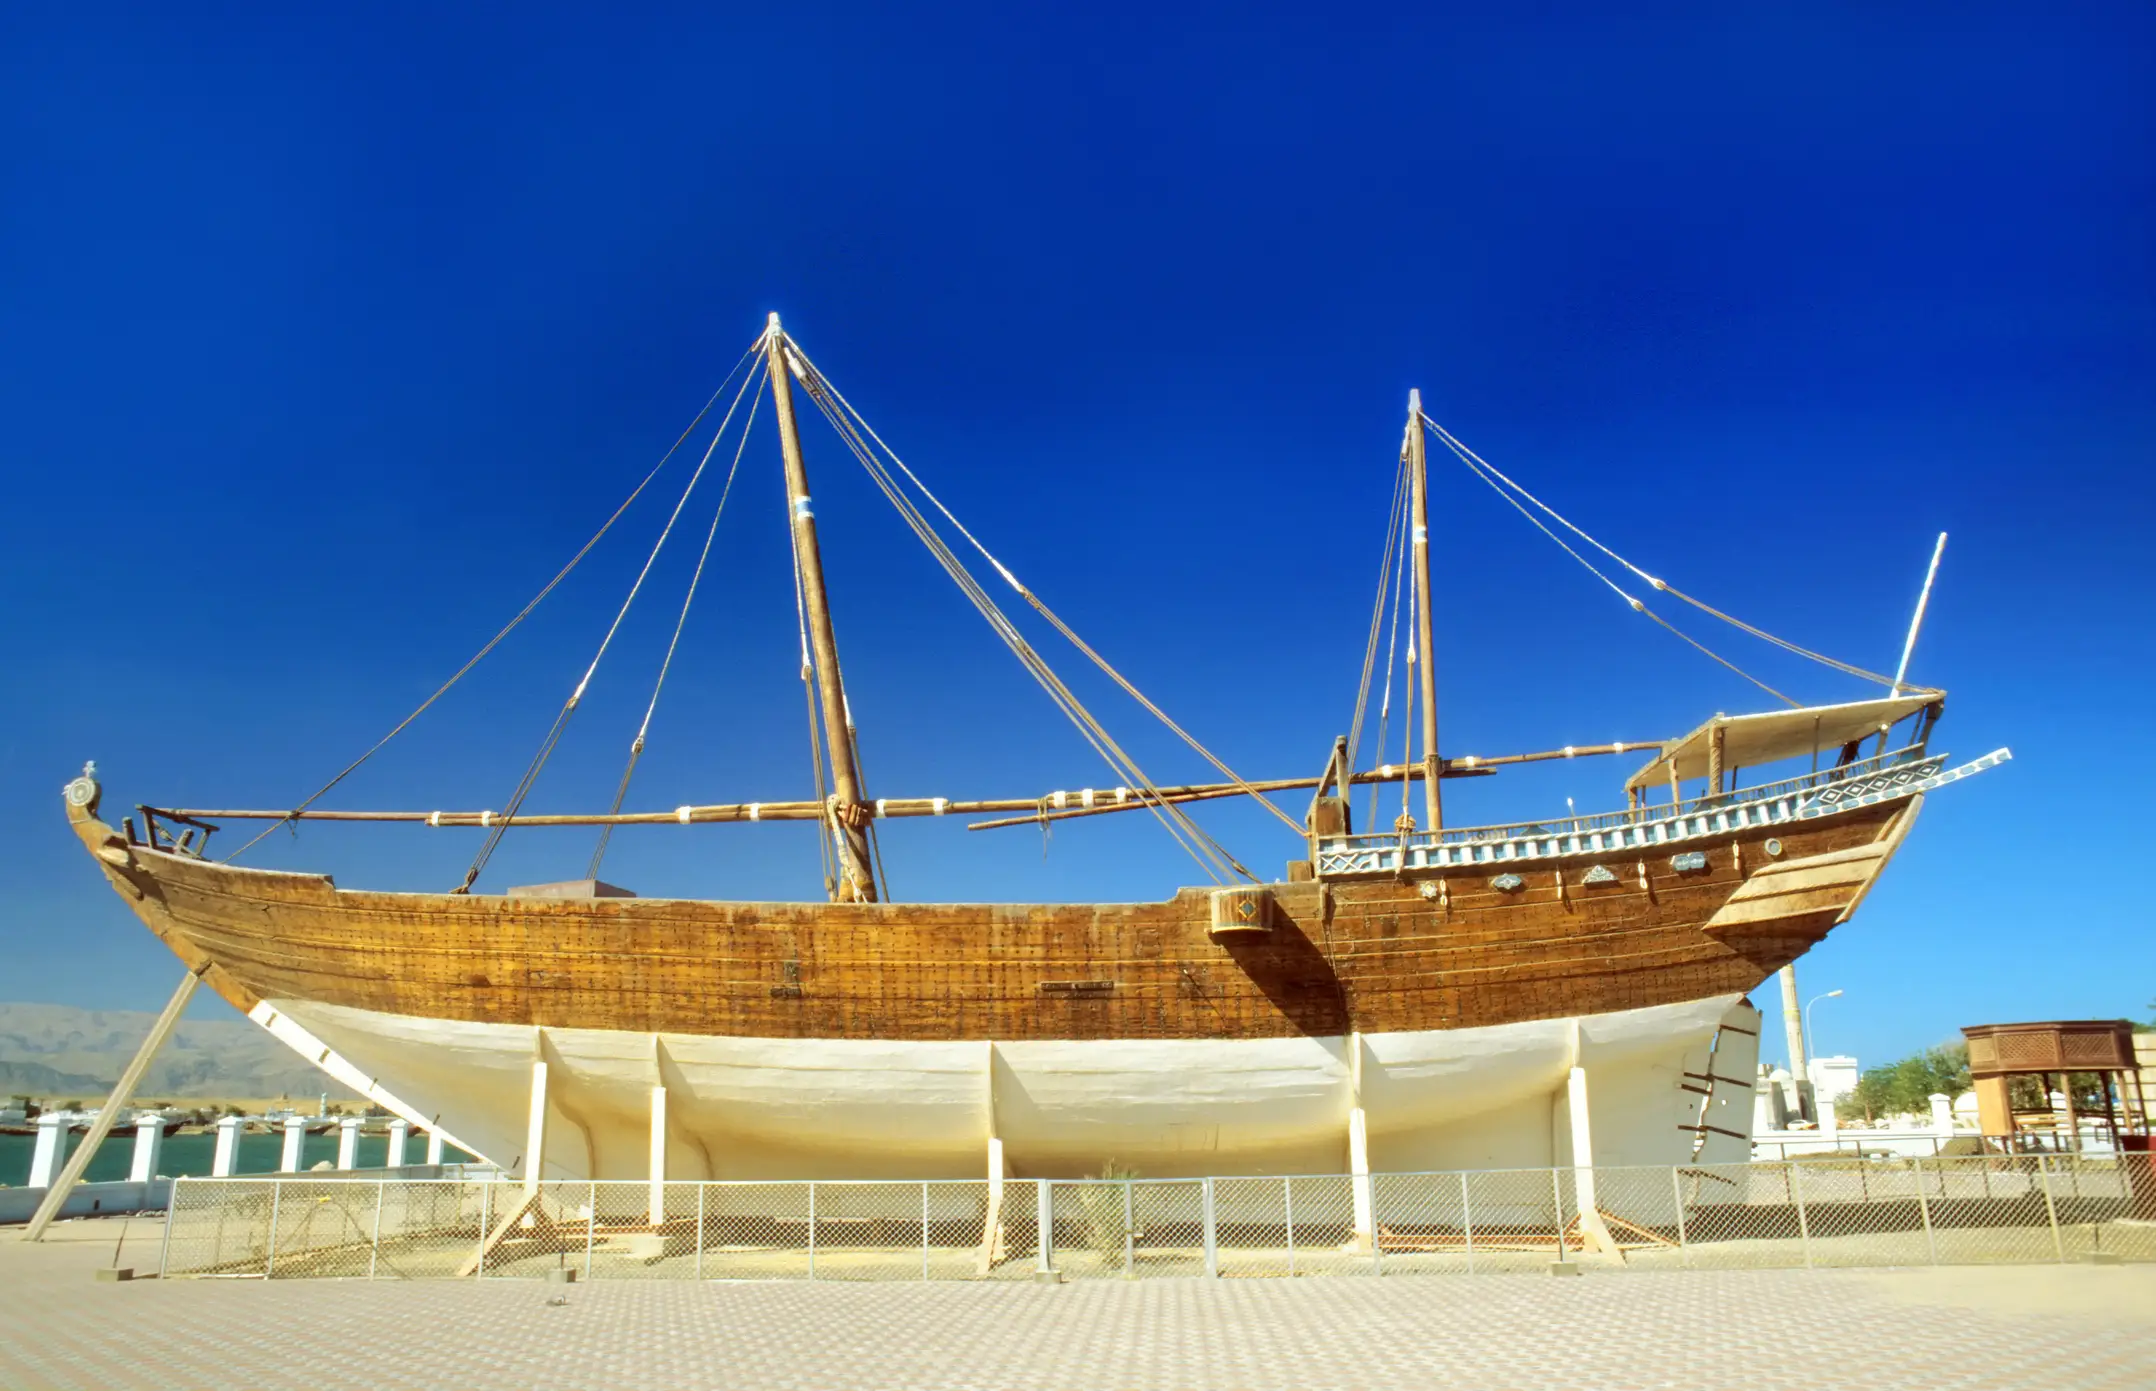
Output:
x=2085 y=1326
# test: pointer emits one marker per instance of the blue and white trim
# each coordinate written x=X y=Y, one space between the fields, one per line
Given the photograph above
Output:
x=1898 y=775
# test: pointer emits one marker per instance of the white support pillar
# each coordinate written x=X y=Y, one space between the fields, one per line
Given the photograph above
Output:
x=658 y=1154
x=348 y=1142
x=51 y=1148
x=149 y=1147
x=1358 y=1137
x=434 y=1146
x=295 y=1135
x=535 y=1128
x=400 y=1136
x=1583 y=1163
x=1942 y=1114
x=225 y=1161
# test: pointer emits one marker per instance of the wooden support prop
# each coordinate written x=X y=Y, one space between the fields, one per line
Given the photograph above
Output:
x=122 y=1092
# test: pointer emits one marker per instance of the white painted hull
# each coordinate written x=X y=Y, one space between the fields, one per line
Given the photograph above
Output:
x=842 y=1108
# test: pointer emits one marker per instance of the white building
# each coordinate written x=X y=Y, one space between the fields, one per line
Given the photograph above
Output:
x=1832 y=1078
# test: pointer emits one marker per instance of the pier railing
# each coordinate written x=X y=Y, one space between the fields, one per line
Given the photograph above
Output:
x=1822 y=1211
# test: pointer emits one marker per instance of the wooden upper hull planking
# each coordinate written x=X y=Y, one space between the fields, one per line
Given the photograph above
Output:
x=1377 y=954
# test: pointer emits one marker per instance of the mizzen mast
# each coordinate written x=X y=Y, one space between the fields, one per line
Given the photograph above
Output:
x=1426 y=666
x=849 y=813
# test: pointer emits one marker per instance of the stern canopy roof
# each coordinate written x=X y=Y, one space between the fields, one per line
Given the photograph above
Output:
x=1751 y=740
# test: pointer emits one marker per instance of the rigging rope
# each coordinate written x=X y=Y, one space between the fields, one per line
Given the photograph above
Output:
x=1392 y=649
x=636 y=748
x=1472 y=459
x=1394 y=517
x=561 y=720
x=1209 y=854
x=1636 y=605
x=510 y=626
x=816 y=380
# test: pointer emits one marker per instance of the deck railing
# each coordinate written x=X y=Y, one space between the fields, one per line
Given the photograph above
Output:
x=1763 y=804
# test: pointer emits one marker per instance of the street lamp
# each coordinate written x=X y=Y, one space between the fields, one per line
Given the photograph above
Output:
x=1814 y=1038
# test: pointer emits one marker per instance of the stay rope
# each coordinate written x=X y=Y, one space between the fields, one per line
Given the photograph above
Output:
x=1209 y=854
x=569 y=707
x=636 y=747
x=1069 y=634
x=1473 y=460
x=512 y=624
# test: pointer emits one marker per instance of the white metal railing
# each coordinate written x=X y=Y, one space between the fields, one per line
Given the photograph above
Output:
x=1820 y=1211
x=1635 y=829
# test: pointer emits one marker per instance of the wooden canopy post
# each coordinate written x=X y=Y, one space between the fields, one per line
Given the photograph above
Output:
x=1419 y=521
x=122 y=1092
x=858 y=880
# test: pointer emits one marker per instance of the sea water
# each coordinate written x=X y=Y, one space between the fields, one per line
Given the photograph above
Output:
x=190 y=1155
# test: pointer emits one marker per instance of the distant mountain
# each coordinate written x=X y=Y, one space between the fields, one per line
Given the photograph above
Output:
x=48 y=1049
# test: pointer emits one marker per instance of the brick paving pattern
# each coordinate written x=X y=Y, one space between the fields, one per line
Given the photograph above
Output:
x=2081 y=1326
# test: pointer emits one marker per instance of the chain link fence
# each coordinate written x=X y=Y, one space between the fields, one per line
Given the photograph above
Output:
x=1819 y=1212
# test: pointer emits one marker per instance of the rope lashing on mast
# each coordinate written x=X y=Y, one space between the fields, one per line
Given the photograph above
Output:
x=636 y=747
x=513 y=623
x=1637 y=605
x=817 y=382
x=569 y=707
x=1473 y=460
x=1201 y=846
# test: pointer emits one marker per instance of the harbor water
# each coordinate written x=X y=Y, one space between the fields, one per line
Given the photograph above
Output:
x=187 y=1156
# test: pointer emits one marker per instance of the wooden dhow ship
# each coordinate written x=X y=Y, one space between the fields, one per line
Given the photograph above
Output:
x=1409 y=996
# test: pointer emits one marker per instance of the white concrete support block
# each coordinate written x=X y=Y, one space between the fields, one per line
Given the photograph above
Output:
x=224 y=1162
x=1830 y=1126
x=51 y=1148
x=434 y=1147
x=149 y=1148
x=1942 y=1114
x=658 y=1154
x=348 y=1142
x=400 y=1137
x=1359 y=1175
x=535 y=1127
x=295 y=1135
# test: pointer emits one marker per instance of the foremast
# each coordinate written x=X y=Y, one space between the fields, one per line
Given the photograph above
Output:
x=848 y=811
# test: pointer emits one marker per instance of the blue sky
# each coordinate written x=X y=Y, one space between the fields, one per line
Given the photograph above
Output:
x=324 y=340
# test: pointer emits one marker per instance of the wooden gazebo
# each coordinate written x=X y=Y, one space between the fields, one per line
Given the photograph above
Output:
x=1998 y=1053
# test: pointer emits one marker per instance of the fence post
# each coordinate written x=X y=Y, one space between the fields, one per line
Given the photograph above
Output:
x=1368 y=1184
x=374 y=1243
x=924 y=1229
x=1467 y=1222
x=1676 y=1190
x=1804 y=1226
x=1287 y=1202
x=1923 y=1207
x=172 y=1206
x=1130 y=1218
x=269 y=1255
x=701 y=1190
x=1044 y=1227
x=812 y=1229
x=591 y=1228
x=1212 y=1233
x=2051 y=1209
x=486 y=1220
x=1557 y=1211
